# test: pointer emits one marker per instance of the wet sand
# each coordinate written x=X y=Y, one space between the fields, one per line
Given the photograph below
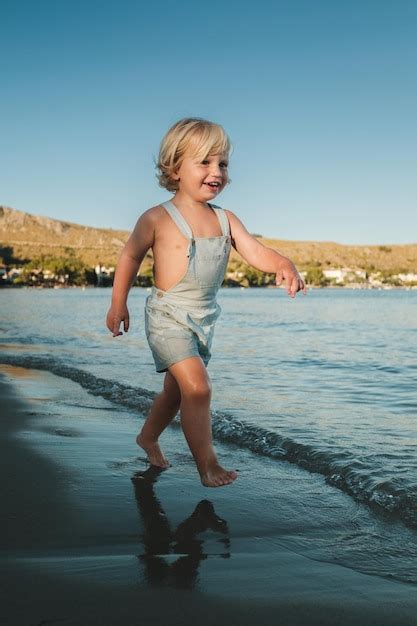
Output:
x=91 y=534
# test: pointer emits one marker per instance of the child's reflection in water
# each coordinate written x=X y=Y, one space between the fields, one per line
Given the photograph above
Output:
x=160 y=541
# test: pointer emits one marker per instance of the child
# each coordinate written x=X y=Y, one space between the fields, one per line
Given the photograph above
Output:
x=191 y=240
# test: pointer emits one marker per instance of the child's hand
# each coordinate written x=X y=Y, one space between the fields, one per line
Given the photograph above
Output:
x=115 y=316
x=287 y=273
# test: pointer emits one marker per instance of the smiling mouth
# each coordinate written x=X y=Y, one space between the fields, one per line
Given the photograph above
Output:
x=213 y=185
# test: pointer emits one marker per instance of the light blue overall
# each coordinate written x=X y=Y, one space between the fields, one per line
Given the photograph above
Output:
x=179 y=322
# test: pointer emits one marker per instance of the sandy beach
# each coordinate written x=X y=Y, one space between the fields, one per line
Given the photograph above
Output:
x=91 y=534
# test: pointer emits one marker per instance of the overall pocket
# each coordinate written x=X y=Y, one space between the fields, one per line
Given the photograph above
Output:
x=210 y=268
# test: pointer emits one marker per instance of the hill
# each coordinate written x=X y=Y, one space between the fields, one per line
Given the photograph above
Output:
x=24 y=237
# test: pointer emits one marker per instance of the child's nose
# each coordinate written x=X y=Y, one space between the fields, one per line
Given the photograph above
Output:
x=216 y=170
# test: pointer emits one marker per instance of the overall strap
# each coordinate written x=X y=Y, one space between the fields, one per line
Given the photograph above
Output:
x=224 y=222
x=178 y=219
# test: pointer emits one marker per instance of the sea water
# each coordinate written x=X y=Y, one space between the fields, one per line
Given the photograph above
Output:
x=326 y=381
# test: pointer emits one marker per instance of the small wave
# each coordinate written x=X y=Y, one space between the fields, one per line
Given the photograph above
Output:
x=32 y=340
x=62 y=432
x=340 y=469
x=131 y=397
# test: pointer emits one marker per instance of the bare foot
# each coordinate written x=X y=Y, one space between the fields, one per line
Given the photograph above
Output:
x=155 y=455
x=216 y=476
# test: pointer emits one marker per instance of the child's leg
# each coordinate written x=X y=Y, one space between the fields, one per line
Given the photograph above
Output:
x=195 y=387
x=163 y=410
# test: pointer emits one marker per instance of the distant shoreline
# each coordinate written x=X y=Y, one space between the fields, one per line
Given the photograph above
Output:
x=240 y=287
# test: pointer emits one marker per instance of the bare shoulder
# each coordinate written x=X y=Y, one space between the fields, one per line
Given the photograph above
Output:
x=142 y=236
x=242 y=240
x=235 y=223
x=148 y=220
x=230 y=214
x=152 y=215
x=233 y=218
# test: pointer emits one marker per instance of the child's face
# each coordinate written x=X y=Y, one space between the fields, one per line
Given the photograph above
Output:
x=202 y=179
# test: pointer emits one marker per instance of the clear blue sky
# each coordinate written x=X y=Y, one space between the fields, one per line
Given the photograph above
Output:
x=318 y=97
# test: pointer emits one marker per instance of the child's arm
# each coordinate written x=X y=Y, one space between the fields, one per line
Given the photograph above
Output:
x=263 y=258
x=130 y=259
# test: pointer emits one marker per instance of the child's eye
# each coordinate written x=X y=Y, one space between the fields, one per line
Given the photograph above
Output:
x=222 y=164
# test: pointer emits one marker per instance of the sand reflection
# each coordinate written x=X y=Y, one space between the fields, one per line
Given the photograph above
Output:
x=172 y=557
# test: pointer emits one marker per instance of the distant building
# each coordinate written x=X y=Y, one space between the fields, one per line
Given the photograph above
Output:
x=14 y=272
x=336 y=275
x=235 y=275
x=103 y=273
x=345 y=274
x=408 y=278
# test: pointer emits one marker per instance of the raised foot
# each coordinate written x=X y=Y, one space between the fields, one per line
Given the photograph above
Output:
x=155 y=455
x=217 y=477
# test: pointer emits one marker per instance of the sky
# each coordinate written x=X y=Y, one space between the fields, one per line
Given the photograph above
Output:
x=318 y=97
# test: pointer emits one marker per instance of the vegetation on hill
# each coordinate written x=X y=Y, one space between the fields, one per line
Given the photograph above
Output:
x=48 y=250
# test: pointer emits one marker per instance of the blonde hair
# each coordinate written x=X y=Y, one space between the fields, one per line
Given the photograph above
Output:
x=199 y=136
